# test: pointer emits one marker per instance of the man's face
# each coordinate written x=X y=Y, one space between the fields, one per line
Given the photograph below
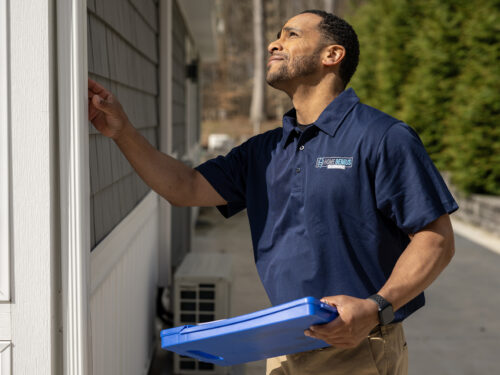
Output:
x=296 y=52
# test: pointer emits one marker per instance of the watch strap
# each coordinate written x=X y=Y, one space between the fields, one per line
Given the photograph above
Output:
x=380 y=301
x=385 y=310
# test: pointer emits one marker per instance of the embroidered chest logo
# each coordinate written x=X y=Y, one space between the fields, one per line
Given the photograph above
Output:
x=334 y=162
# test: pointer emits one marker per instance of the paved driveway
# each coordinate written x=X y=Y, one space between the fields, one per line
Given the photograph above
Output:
x=458 y=331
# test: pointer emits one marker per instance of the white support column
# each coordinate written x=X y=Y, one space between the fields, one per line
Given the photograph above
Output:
x=4 y=155
x=165 y=104
x=34 y=215
x=74 y=184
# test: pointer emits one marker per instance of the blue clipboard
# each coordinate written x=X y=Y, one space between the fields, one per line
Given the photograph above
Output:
x=267 y=333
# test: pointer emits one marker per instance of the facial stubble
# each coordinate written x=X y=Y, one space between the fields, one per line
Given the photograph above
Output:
x=300 y=66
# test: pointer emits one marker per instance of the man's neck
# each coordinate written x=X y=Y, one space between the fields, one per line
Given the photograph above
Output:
x=310 y=101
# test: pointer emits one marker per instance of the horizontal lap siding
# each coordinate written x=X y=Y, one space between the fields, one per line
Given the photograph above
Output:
x=123 y=57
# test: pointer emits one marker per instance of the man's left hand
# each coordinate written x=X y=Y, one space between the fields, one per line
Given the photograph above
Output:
x=357 y=317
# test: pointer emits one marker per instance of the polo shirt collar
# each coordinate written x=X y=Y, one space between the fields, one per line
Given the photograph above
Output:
x=330 y=119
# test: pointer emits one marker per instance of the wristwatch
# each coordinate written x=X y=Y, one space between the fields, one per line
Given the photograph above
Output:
x=385 y=311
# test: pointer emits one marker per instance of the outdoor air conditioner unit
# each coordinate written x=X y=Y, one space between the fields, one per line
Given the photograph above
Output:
x=201 y=294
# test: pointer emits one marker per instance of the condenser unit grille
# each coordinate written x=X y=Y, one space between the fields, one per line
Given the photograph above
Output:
x=196 y=305
x=186 y=363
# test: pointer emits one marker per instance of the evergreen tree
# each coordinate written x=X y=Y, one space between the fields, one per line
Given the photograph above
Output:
x=474 y=141
x=437 y=57
x=394 y=61
x=435 y=64
x=385 y=28
x=365 y=22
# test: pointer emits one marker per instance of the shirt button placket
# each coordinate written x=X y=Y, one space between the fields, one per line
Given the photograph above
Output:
x=298 y=169
x=298 y=184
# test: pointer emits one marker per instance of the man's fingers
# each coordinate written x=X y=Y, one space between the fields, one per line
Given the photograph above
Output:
x=327 y=330
x=316 y=335
x=101 y=104
x=332 y=326
x=334 y=301
x=96 y=88
x=326 y=334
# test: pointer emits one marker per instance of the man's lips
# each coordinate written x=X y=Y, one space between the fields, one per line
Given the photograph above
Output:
x=274 y=58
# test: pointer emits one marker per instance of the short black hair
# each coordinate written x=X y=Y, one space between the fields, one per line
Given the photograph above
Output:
x=335 y=29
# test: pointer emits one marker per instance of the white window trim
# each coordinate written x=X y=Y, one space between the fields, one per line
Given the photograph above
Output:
x=74 y=184
x=165 y=104
x=4 y=156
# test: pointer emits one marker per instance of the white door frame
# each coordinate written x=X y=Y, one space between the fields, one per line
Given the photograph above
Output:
x=5 y=325
x=74 y=184
x=4 y=156
x=5 y=334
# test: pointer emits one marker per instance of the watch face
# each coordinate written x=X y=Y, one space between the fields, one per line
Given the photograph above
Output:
x=386 y=315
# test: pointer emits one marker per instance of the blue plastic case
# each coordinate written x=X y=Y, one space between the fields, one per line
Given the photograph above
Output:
x=271 y=332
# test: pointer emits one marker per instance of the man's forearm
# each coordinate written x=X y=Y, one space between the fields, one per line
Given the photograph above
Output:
x=173 y=180
x=422 y=261
x=169 y=177
x=428 y=253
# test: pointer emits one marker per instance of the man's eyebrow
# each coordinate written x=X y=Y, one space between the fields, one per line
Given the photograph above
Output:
x=287 y=29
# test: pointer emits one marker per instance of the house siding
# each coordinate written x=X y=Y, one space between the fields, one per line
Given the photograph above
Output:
x=123 y=57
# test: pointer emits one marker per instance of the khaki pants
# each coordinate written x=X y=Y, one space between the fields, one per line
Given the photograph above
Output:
x=383 y=352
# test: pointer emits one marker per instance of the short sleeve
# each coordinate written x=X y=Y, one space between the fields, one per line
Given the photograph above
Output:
x=227 y=175
x=408 y=187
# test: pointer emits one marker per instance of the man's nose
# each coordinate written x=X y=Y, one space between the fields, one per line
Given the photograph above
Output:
x=274 y=46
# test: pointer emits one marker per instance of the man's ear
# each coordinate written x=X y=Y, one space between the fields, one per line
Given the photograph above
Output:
x=333 y=55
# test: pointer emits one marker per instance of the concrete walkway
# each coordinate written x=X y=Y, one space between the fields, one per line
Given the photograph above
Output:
x=232 y=236
x=458 y=332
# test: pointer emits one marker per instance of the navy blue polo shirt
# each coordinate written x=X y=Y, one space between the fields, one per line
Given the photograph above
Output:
x=330 y=208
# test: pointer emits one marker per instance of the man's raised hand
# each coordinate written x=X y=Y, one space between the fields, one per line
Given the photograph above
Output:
x=105 y=111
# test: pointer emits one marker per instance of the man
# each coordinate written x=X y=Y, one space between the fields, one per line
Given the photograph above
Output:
x=343 y=201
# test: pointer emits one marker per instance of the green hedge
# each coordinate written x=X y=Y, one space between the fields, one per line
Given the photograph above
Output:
x=435 y=65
